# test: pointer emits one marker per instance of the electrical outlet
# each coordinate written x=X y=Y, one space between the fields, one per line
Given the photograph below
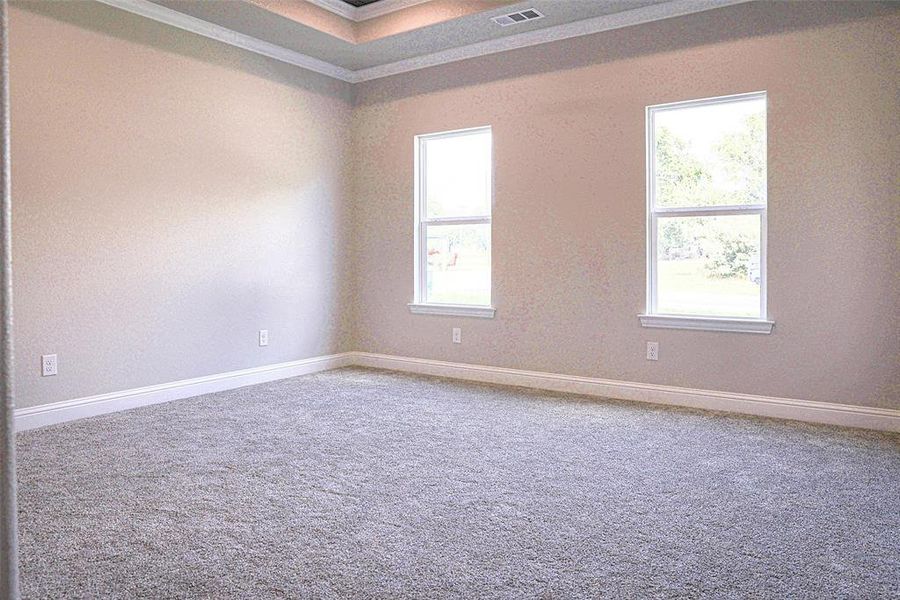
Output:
x=652 y=350
x=48 y=365
x=457 y=335
x=263 y=337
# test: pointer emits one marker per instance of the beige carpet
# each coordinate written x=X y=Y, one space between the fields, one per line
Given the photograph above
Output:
x=370 y=484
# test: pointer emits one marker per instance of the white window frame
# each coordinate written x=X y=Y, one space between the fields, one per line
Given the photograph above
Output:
x=420 y=250
x=651 y=318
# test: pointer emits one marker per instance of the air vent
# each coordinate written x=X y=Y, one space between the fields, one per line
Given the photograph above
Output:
x=517 y=17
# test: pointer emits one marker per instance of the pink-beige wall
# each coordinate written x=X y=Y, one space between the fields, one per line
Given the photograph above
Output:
x=173 y=195
x=569 y=206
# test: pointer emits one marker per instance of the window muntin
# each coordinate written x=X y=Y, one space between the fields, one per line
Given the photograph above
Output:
x=453 y=218
x=707 y=208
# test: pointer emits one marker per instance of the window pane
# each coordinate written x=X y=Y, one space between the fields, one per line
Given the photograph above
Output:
x=711 y=155
x=459 y=264
x=708 y=266
x=458 y=175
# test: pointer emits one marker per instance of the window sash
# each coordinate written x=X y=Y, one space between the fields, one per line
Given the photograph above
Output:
x=421 y=292
x=654 y=212
x=422 y=256
x=653 y=267
x=422 y=221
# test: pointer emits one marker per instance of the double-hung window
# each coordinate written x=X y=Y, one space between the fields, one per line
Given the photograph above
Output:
x=453 y=198
x=706 y=214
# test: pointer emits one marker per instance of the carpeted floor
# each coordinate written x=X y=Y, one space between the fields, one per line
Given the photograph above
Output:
x=369 y=484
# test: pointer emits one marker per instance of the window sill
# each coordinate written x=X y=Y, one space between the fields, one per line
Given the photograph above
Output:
x=733 y=325
x=452 y=310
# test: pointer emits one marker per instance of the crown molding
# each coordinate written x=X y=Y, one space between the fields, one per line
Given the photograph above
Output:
x=384 y=7
x=159 y=13
x=338 y=7
x=628 y=18
x=364 y=13
x=636 y=16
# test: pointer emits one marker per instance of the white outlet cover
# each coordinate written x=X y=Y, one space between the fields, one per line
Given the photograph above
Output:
x=263 y=337
x=48 y=365
x=457 y=335
x=652 y=350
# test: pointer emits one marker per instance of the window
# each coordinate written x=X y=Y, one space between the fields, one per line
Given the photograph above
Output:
x=706 y=189
x=454 y=193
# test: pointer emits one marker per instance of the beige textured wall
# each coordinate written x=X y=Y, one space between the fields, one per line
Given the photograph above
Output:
x=173 y=195
x=569 y=234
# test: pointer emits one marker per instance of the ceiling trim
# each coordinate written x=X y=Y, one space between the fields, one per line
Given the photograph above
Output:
x=627 y=18
x=159 y=13
x=636 y=16
x=384 y=7
x=338 y=7
x=363 y=13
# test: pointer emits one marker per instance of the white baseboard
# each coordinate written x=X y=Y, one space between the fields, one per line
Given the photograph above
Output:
x=883 y=419
x=70 y=410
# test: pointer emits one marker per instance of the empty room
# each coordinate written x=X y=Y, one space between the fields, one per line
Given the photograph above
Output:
x=450 y=299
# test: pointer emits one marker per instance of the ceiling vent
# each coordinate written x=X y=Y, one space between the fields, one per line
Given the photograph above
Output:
x=517 y=17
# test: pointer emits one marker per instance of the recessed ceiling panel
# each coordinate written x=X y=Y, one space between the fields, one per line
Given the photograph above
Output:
x=254 y=20
x=475 y=28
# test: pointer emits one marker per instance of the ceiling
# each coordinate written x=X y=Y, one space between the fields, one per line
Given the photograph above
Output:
x=358 y=40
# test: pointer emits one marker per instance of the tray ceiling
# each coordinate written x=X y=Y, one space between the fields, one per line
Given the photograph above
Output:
x=406 y=35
